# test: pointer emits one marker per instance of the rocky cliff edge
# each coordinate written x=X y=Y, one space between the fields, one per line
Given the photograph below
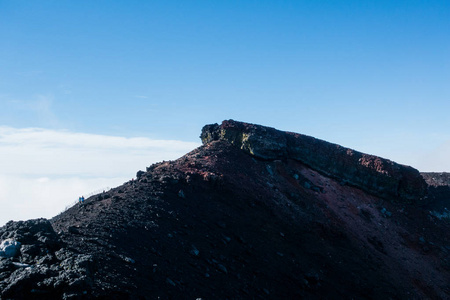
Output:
x=370 y=173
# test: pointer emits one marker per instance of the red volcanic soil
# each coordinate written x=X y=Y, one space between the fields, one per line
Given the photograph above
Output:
x=220 y=223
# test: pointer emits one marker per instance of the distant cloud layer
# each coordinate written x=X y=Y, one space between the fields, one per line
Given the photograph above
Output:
x=43 y=171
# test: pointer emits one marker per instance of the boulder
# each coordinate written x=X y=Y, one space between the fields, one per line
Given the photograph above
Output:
x=9 y=248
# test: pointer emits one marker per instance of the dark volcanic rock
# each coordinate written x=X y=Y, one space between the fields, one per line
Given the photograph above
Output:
x=438 y=193
x=41 y=269
x=373 y=174
x=222 y=223
x=436 y=178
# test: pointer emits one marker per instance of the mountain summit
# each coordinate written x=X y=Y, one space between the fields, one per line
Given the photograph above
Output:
x=253 y=213
x=373 y=174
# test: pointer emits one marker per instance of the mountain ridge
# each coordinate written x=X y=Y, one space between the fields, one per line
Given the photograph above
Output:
x=221 y=222
x=369 y=172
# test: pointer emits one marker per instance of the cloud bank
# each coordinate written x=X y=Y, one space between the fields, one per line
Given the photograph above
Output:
x=43 y=171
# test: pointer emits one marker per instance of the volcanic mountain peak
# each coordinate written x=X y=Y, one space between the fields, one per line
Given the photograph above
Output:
x=253 y=213
x=371 y=173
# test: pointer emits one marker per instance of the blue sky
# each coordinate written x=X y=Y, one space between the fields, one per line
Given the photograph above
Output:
x=371 y=75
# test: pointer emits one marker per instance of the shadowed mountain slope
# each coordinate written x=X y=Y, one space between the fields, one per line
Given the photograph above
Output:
x=253 y=213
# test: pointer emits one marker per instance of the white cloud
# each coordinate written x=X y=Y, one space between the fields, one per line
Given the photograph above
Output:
x=43 y=171
x=25 y=198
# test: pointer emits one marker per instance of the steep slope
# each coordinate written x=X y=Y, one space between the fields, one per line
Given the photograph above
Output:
x=225 y=222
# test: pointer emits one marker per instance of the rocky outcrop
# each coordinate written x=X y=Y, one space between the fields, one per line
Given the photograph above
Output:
x=438 y=193
x=36 y=265
x=436 y=178
x=372 y=174
x=9 y=248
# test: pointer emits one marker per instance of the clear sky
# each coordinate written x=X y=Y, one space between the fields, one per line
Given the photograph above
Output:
x=370 y=75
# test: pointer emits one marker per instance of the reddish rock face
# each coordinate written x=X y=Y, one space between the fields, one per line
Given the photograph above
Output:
x=373 y=174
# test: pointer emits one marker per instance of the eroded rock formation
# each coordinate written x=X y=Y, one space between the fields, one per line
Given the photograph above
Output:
x=371 y=173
